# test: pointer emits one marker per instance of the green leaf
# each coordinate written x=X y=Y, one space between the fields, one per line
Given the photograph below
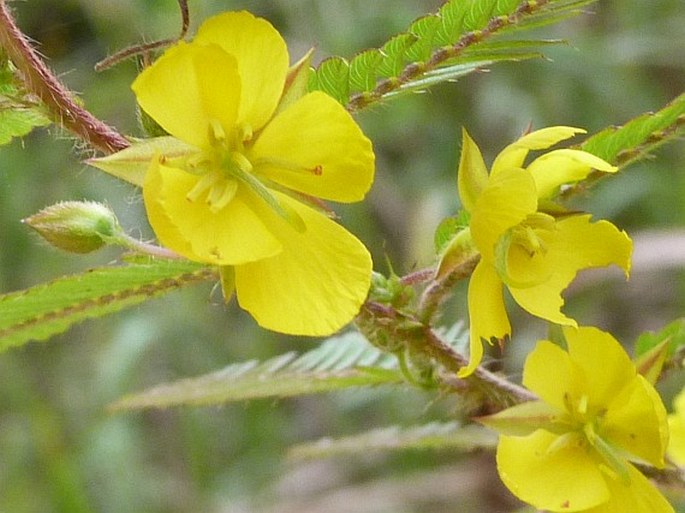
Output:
x=45 y=310
x=19 y=114
x=434 y=436
x=456 y=40
x=640 y=136
x=340 y=362
x=674 y=333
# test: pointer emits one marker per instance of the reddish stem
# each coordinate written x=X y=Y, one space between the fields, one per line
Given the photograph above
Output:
x=59 y=101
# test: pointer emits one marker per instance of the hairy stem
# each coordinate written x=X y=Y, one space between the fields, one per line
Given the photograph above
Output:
x=416 y=69
x=40 y=81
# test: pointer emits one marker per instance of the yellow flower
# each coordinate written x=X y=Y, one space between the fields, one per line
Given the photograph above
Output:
x=524 y=241
x=676 y=424
x=571 y=450
x=237 y=183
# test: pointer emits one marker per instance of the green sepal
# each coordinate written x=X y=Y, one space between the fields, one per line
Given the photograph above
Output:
x=651 y=363
x=458 y=252
x=132 y=163
x=448 y=228
x=524 y=419
x=296 y=82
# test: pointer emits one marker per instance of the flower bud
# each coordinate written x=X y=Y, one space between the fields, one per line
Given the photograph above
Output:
x=76 y=226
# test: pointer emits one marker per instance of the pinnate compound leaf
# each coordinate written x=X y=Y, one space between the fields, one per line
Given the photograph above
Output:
x=19 y=114
x=340 y=362
x=434 y=436
x=443 y=46
x=48 y=309
x=640 y=136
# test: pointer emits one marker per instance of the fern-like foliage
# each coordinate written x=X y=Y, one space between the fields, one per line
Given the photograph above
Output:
x=640 y=136
x=45 y=310
x=19 y=114
x=340 y=362
x=435 y=436
x=455 y=41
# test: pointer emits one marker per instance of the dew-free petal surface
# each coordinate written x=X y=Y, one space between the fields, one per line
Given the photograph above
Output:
x=315 y=286
x=316 y=132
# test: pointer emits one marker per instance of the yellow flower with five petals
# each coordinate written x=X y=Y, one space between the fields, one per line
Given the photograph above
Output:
x=571 y=450
x=523 y=241
x=238 y=181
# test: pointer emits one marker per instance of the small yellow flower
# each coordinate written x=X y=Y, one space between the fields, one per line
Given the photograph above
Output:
x=524 y=242
x=237 y=183
x=676 y=424
x=572 y=449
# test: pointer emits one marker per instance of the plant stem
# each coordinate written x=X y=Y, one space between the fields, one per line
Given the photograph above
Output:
x=147 y=249
x=59 y=101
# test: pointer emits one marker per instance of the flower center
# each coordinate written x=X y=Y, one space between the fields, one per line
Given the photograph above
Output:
x=521 y=252
x=225 y=167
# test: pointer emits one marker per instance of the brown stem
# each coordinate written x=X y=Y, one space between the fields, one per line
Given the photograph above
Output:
x=392 y=331
x=59 y=101
x=415 y=69
x=132 y=51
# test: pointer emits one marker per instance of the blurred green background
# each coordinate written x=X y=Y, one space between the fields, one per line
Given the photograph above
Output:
x=61 y=451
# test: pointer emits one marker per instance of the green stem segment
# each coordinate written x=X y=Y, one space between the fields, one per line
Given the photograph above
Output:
x=59 y=101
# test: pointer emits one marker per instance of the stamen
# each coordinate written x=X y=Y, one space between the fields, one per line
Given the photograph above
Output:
x=221 y=195
x=317 y=170
x=582 y=405
x=203 y=184
x=217 y=135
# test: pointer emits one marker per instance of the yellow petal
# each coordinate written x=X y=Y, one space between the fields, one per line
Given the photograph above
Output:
x=603 y=368
x=472 y=175
x=561 y=167
x=578 y=244
x=507 y=199
x=315 y=286
x=315 y=147
x=262 y=58
x=553 y=476
x=548 y=373
x=189 y=86
x=234 y=235
x=636 y=422
x=639 y=495
x=487 y=315
x=515 y=154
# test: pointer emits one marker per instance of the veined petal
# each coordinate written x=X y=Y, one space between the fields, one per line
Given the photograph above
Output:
x=315 y=147
x=189 y=86
x=636 y=422
x=578 y=244
x=487 y=315
x=548 y=373
x=262 y=58
x=603 y=366
x=472 y=176
x=507 y=199
x=637 y=496
x=551 y=475
x=234 y=235
x=515 y=154
x=561 y=167
x=315 y=286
